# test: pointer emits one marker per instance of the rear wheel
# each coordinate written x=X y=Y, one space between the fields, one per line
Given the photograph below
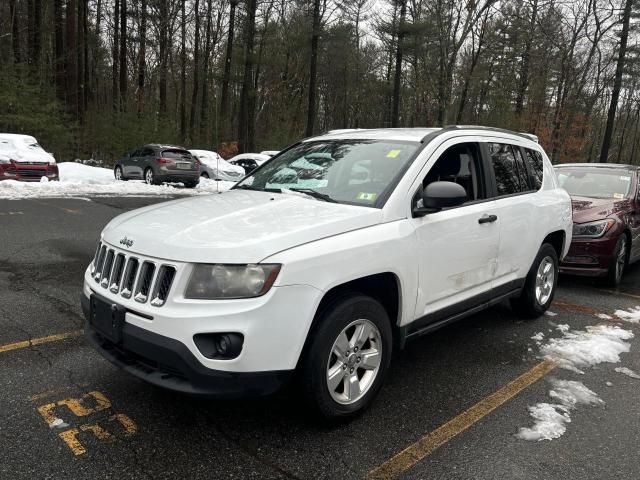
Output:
x=204 y=175
x=618 y=262
x=117 y=173
x=190 y=184
x=346 y=362
x=540 y=284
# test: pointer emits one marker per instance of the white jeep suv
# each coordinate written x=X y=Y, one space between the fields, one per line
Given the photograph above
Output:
x=325 y=258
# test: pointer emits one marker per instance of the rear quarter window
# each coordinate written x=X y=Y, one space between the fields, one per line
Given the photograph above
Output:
x=179 y=154
x=507 y=167
x=536 y=167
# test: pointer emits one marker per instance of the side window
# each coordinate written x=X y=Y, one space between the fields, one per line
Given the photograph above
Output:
x=523 y=176
x=534 y=160
x=505 y=167
x=147 y=152
x=459 y=164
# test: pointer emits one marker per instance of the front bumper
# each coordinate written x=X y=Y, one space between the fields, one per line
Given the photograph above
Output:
x=169 y=364
x=28 y=172
x=589 y=257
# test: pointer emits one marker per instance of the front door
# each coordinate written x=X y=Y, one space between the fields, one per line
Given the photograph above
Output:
x=458 y=247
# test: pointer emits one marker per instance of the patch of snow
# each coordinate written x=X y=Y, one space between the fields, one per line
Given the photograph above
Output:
x=538 y=337
x=549 y=313
x=563 y=328
x=604 y=316
x=627 y=371
x=631 y=315
x=551 y=418
x=579 y=349
x=609 y=384
x=58 y=423
x=78 y=180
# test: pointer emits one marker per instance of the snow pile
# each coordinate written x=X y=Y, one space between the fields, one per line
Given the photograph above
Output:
x=78 y=180
x=551 y=418
x=579 y=349
x=604 y=316
x=627 y=371
x=631 y=315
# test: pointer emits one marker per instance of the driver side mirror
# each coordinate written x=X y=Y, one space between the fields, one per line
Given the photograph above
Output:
x=439 y=195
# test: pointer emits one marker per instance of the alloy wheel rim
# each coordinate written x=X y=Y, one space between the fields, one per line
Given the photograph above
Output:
x=118 y=174
x=545 y=278
x=354 y=361
x=149 y=177
x=621 y=259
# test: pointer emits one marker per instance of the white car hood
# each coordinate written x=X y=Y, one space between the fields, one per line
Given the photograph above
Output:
x=238 y=226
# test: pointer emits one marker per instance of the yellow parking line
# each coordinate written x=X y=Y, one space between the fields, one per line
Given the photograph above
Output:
x=40 y=341
x=411 y=455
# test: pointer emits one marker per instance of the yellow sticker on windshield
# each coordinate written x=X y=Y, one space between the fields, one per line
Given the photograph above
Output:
x=369 y=197
x=618 y=196
x=393 y=153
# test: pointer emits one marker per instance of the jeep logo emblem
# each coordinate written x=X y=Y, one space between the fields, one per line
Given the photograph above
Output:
x=126 y=242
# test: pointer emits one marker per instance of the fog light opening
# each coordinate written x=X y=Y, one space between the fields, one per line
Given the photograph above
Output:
x=221 y=346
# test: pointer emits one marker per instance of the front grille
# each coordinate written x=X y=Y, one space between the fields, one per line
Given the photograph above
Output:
x=31 y=173
x=128 y=275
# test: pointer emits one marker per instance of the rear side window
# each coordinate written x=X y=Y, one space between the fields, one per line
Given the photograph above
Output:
x=534 y=160
x=178 y=154
x=511 y=175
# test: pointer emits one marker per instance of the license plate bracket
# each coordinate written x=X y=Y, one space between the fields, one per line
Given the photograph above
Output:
x=107 y=318
x=183 y=166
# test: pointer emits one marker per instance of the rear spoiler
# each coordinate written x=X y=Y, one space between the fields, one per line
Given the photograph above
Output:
x=530 y=136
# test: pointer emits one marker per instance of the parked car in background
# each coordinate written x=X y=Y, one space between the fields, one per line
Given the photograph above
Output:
x=270 y=153
x=249 y=161
x=606 y=219
x=215 y=167
x=155 y=163
x=22 y=158
x=406 y=230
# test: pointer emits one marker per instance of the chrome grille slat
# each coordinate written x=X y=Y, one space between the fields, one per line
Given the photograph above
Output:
x=116 y=275
x=130 y=276
x=145 y=280
x=103 y=252
x=163 y=283
x=106 y=269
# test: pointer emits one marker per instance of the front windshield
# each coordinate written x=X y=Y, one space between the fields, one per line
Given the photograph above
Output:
x=595 y=182
x=355 y=172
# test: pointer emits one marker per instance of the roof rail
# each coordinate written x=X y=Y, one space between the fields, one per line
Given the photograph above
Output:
x=528 y=136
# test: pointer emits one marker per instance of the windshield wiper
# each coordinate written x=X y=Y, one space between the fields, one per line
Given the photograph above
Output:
x=247 y=187
x=314 y=193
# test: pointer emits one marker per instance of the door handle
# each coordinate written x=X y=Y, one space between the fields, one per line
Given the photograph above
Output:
x=487 y=218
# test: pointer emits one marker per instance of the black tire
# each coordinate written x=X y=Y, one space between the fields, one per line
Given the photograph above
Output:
x=150 y=176
x=121 y=176
x=332 y=320
x=619 y=262
x=528 y=304
x=191 y=184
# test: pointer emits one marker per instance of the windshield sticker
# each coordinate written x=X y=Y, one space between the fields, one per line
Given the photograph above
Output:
x=625 y=179
x=618 y=196
x=369 y=197
x=393 y=153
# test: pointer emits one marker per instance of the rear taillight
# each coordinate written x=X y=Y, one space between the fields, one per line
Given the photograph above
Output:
x=163 y=160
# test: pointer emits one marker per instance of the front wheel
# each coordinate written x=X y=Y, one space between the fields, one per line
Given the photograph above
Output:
x=540 y=284
x=117 y=173
x=618 y=262
x=149 y=177
x=346 y=362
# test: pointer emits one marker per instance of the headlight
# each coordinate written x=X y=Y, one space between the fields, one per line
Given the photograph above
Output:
x=4 y=161
x=212 y=282
x=593 y=229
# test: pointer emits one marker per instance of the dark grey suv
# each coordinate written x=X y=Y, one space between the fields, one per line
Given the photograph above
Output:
x=156 y=163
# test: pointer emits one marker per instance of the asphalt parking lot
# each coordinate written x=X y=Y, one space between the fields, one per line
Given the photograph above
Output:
x=454 y=398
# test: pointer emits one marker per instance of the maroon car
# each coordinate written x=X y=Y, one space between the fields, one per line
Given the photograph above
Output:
x=606 y=218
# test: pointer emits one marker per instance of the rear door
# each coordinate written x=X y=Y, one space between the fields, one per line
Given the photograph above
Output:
x=129 y=163
x=514 y=194
x=145 y=159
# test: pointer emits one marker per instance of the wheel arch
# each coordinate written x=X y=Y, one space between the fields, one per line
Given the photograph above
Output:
x=557 y=240
x=384 y=287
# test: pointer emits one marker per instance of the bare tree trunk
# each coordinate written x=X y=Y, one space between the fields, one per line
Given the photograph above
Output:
x=114 y=55
x=183 y=73
x=224 y=95
x=59 y=48
x=142 y=54
x=72 y=57
x=196 y=73
x=246 y=141
x=162 y=53
x=15 y=29
x=81 y=57
x=395 y=112
x=524 y=70
x=204 y=103
x=31 y=31
x=123 y=54
x=313 y=68
x=617 y=83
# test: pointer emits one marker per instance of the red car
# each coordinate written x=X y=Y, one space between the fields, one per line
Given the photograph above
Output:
x=21 y=158
x=606 y=219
